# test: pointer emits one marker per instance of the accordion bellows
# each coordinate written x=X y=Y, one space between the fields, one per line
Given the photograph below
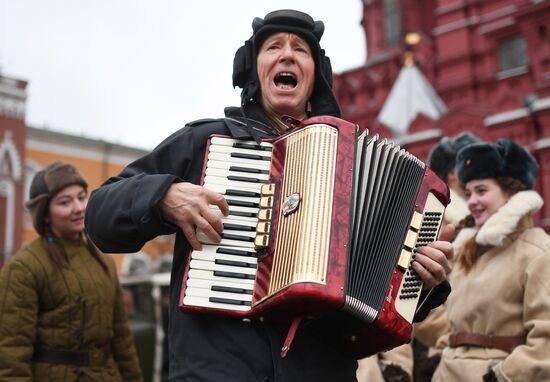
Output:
x=323 y=223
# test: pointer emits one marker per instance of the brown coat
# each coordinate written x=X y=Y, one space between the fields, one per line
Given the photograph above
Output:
x=437 y=324
x=506 y=293
x=79 y=307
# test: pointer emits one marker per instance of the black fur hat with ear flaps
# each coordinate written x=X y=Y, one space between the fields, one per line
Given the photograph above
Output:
x=45 y=184
x=442 y=157
x=245 y=76
x=500 y=160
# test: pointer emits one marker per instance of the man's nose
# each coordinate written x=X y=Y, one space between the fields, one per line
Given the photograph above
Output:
x=287 y=52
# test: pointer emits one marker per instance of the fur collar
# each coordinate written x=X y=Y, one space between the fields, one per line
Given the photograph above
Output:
x=503 y=222
x=457 y=208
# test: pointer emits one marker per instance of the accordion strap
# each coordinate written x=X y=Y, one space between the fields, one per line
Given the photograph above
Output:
x=290 y=335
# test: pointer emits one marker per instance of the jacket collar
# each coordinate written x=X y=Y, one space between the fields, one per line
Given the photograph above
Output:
x=512 y=217
x=457 y=208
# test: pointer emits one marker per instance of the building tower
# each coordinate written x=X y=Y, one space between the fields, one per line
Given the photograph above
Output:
x=488 y=61
x=12 y=151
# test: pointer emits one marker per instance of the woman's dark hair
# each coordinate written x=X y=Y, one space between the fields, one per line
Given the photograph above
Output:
x=54 y=251
x=472 y=250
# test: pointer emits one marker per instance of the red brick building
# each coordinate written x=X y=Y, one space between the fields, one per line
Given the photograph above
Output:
x=24 y=150
x=488 y=61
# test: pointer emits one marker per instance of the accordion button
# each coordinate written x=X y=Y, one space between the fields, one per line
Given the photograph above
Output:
x=268 y=189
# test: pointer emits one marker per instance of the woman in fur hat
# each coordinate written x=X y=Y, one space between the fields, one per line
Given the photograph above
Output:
x=499 y=309
x=62 y=316
x=283 y=72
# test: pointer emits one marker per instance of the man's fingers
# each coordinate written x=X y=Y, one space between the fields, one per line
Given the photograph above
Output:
x=447 y=233
x=213 y=218
x=206 y=227
x=218 y=199
x=189 y=232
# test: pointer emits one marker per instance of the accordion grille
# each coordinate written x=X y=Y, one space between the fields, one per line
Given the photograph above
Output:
x=303 y=236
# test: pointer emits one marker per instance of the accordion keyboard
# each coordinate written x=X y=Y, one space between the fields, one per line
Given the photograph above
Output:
x=222 y=274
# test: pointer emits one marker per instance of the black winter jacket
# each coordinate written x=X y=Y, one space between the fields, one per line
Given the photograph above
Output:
x=123 y=215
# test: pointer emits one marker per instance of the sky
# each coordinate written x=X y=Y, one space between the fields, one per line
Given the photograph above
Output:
x=132 y=72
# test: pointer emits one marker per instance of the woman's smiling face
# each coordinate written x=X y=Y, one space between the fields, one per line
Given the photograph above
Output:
x=484 y=197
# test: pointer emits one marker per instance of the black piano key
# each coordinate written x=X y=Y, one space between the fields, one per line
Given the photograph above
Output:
x=219 y=288
x=245 y=179
x=238 y=227
x=249 y=156
x=233 y=263
x=234 y=275
x=230 y=236
x=251 y=146
x=236 y=252
x=243 y=214
x=248 y=194
x=229 y=301
x=248 y=170
x=242 y=203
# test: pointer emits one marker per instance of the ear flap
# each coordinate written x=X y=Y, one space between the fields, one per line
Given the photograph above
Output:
x=242 y=65
x=518 y=163
x=326 y=67
x=318 y=29
x=257 y=23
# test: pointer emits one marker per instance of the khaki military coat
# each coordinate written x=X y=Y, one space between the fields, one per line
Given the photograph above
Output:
x=78 y=307
x=506 y=293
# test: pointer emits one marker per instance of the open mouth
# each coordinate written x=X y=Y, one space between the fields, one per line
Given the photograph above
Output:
x=285 y=80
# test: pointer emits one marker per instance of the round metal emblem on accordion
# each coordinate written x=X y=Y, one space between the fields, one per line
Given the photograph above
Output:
x=291 y=203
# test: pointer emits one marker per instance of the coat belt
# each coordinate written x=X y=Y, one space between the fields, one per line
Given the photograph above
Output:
x=505 y=343
x=92 y=357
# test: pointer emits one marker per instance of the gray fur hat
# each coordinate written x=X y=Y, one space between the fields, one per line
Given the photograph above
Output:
x=505 y=159
x=442 y=157
x=45 y=184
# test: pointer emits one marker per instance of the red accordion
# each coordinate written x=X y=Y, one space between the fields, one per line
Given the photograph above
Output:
x=323 y=223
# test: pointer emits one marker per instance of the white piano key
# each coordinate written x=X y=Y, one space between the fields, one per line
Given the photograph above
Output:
x=200 y=292
x=247 y=227
x=231 y=150
x=204 y=302
x=208 y=284
x=200 y=255
x=201 y=274
x=246 y=219
x=248 y=234
x=248 y=210
x=224 y=157
x=230 y=141
x=210 y=266
x=203 y=239
x=225 y=173
x=224 y=190
x=217 y=249
x=246 y=186
x=258 y=165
